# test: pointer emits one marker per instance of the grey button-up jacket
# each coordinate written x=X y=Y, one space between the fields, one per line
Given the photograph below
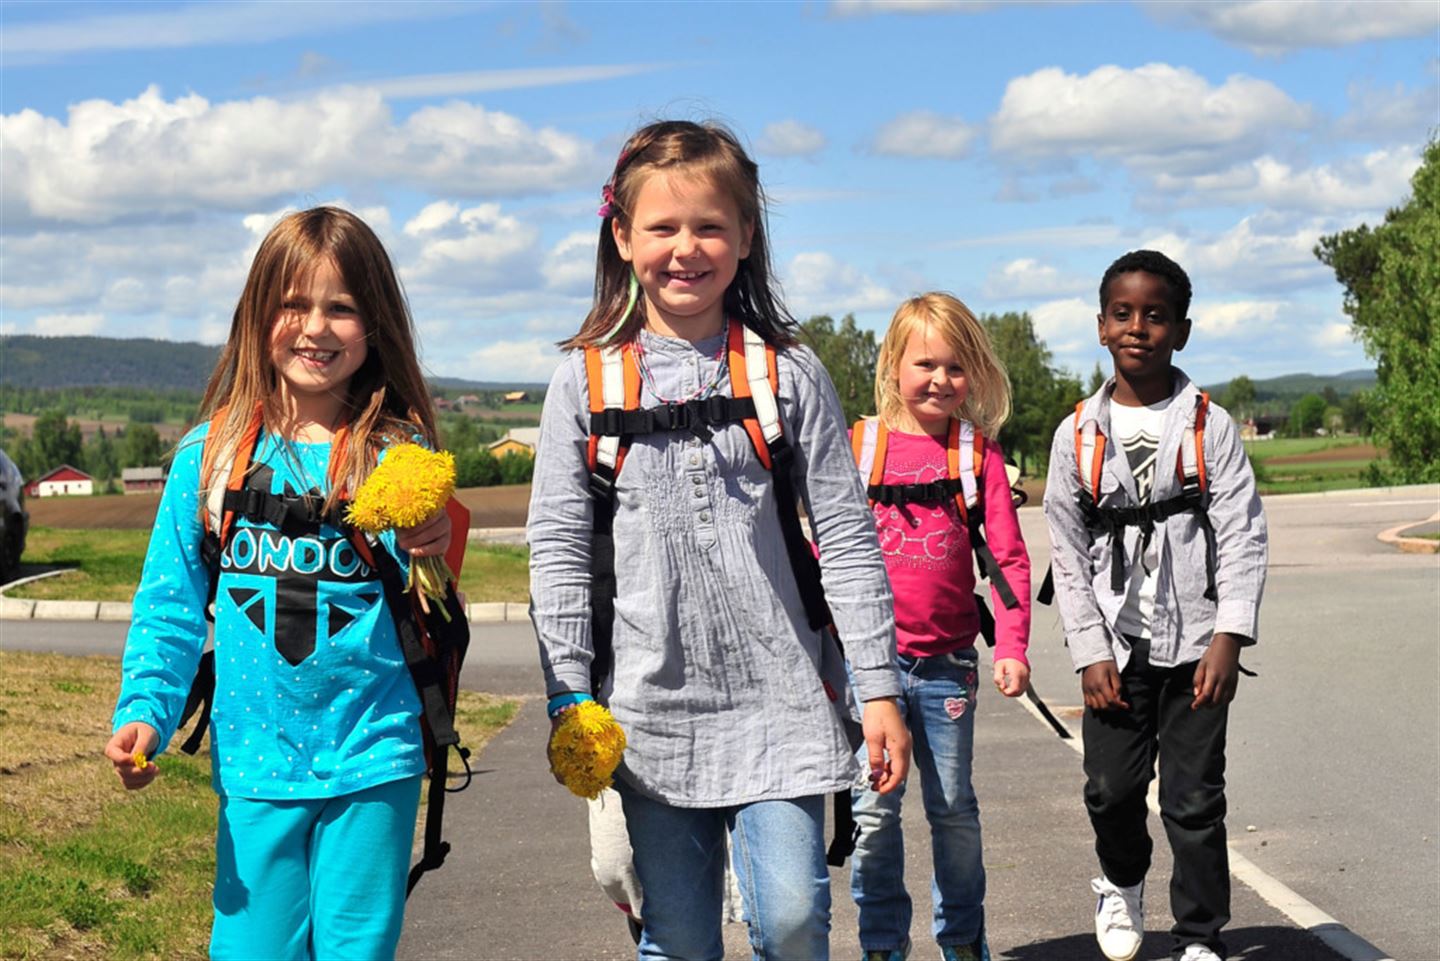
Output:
x=718 y=677
x=1184 y=620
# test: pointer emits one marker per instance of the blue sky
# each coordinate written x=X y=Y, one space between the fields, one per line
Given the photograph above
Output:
x=1004 y=152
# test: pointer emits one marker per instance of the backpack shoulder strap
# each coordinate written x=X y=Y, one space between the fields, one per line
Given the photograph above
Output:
x=230 y=463
x=965 y=459
x=753 y=374
x=613 y=383
x=868 y=441
x=1089 y=453
x=1192 y=448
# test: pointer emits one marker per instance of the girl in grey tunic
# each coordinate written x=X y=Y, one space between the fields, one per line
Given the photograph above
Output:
x=717 y=675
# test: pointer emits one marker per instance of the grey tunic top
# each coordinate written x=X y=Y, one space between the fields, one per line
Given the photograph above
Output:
x=1183 y=620
x=718 y=677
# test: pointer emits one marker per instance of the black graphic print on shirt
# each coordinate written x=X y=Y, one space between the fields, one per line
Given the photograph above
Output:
x=1140 y=450
x=287 y=584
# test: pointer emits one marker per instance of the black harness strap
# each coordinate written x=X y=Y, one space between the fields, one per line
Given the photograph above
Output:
x=802 y=559
x=1112 y=522
x=602 y=574
x=696 y=416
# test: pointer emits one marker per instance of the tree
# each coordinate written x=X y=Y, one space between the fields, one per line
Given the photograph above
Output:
x=1097 y=380
x=1391 y=276
x=1353 y=407
x=101 y=458
x=140 y=446
x=1240 y=397
x=849 y=356
x=1308 y=415
x=476 y=467
x=516 y=468
x=1041 y=396
x=54 y=440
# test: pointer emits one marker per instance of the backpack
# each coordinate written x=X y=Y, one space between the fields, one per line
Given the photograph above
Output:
x=616 y=418
x=433 y=643
x=1194 y=497
x=965 y=461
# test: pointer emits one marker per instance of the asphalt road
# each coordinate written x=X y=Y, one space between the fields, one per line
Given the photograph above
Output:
x=1334 y=748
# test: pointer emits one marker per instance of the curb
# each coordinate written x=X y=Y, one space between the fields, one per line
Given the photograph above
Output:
x=1395 y=537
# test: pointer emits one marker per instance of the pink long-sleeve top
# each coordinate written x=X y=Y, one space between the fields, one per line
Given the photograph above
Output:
x=928 y=554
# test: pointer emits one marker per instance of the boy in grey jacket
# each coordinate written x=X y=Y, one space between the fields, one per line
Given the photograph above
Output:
x=1158 y=546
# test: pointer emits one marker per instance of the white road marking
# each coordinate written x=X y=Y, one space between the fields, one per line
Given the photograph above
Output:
x=1274 y=892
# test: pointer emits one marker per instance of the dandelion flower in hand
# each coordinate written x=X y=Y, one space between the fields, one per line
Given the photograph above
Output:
x=407 y=488
x=586 y=748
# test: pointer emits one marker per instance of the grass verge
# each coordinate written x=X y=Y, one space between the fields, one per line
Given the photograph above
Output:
x=88 y=870
x=107 y=566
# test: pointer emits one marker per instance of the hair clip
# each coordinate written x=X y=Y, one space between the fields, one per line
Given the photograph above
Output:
x=607 y=209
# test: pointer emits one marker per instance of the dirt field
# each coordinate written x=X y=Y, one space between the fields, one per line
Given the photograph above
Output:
x=1358 y=452
x=489 y=507
x=169 y=433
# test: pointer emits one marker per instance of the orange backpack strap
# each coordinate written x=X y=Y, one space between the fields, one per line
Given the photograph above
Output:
x=868 y=440
x=613 y=383
x=233 y=463
x=1089 y=453
x=753 y=373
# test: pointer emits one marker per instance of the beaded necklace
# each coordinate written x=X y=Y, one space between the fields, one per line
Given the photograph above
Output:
x=722 y=364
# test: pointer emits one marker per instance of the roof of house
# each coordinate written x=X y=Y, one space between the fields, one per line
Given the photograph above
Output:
x=63 y=472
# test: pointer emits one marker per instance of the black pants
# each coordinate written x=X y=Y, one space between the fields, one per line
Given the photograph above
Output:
x=1120 y=750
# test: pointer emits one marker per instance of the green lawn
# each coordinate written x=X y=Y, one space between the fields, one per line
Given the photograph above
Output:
x=1302 y=472
x=88 y=870
x=1264 y=450
x=107 y=567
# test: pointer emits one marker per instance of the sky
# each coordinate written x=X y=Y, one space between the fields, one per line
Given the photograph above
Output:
x=1005 y=152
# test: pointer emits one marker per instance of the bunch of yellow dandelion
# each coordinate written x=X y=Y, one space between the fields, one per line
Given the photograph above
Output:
x=408 y=487
x=585 y=749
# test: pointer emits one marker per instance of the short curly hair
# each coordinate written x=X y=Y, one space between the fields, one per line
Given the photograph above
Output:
x=1152 y=262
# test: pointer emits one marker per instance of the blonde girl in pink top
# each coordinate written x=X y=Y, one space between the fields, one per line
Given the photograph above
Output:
x=942 y=397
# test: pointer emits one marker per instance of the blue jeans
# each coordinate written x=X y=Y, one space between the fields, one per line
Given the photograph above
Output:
x=939 y=707
x=779 y=852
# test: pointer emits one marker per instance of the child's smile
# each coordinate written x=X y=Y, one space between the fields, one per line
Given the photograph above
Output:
x=932 y=382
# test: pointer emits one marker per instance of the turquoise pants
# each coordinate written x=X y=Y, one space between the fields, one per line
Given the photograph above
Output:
x=313 y=879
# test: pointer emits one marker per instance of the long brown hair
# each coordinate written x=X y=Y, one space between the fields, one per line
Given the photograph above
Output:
x=387 y=399
x=988 y=404
x=707 y=150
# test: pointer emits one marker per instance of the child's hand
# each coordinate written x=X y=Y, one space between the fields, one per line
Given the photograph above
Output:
x=429 y=538
x=129 y=748
x=1218 y=673
x=888 y=739
x=1100 y=683
x=555 y=721
x=1012 y=677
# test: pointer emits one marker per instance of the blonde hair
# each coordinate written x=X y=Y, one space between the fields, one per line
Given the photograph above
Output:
x=387 y=399
x=988 y=404
x=707 y=151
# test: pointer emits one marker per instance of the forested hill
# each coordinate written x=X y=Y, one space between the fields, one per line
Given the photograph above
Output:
x=55 y=362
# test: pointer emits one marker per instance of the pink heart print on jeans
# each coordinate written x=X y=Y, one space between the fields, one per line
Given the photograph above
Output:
x=955 y=707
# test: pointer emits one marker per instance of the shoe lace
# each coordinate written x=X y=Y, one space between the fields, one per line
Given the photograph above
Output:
x=1115 y=909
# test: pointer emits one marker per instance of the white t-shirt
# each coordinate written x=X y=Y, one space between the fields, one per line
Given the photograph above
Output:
x=1137 y=431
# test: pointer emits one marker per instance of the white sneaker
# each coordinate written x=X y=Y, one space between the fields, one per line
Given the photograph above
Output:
x=1198 y=952
x=1119 y=919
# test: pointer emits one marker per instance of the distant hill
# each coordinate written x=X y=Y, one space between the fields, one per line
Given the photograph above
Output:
x=1292 y=387
x=28 y=361
x=58 y=362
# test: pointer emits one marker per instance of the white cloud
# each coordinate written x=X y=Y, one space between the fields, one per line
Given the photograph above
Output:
x=1145 y=117
x=1067 y=326
x=151 y=158
x=514 y=360
x=69 y=325
x=1268 y=27
x=1380 y=114
x=478 y=247
x=1068 y=235
x=489 y=81
x=193 y=25
x=1264 y=252
x=791 y=138
x=569 y=268
x=1373 y=182
x=1027 y=278
x=1336 y=335
x=922 y=133
x=1226 y=319
x=817 y=283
